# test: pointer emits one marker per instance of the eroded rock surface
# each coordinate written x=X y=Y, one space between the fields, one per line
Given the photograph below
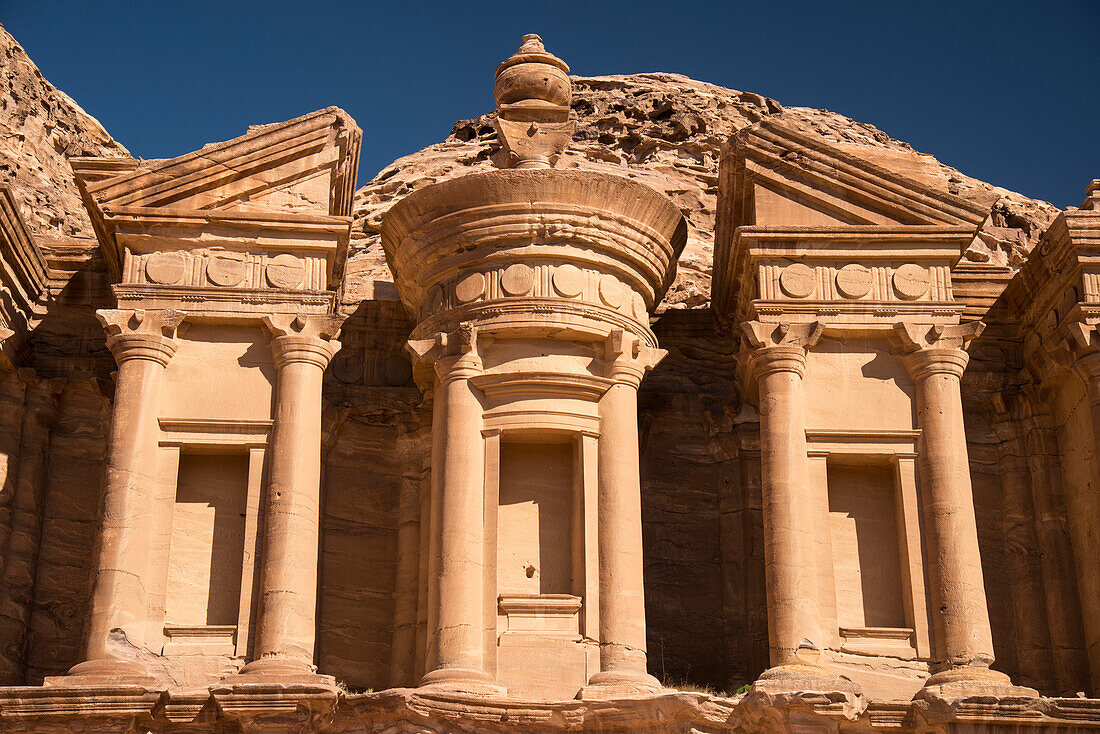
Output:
x=41 y=127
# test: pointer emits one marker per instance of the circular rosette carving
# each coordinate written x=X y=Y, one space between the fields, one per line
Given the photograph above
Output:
x=396 y=371
x=470 y=288
x=164 y=268
x=285 y=271
x=637 y=307
x=568 y=280
x=911 y=281
x=225 y=271
x=347 y=366
x=612 y=292
x=517 y=280
x=853 y=281
x=797 y=280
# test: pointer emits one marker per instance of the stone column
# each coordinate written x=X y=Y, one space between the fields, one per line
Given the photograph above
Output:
x=456 y=653
x=623 y=667
x=286 y=628
x=779 y=363
x=963 y=649
x=142 y=343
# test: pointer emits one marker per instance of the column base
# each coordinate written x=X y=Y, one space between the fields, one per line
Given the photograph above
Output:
x=106 y=672
x=279 y=671
x=803 y=677
x=971 y=680
x=612 y=684
x=461 y=680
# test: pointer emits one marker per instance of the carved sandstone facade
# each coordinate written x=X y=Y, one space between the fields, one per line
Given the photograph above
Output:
x=448 y=496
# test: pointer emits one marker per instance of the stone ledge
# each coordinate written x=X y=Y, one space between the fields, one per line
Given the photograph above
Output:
x=312 y=708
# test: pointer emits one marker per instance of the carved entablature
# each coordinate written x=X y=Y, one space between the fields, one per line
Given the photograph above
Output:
x=1057 y=292
x=539 y=251
x=258 y=224
x=810 y=231
x=851 y=274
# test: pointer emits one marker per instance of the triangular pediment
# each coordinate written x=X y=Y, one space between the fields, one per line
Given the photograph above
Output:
x=776 y=176
x=303 y=166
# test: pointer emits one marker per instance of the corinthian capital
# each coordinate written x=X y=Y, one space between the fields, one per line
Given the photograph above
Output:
x=141 y=334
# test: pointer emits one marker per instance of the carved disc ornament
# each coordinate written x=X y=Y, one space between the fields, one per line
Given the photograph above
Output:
x=612 y=292
x=517 y=280
x=165 y=268
x=470 y=288
x=285 y=271
x=435 y=298
x=568 y=280
x=853 y=281
x=225 y=271
x=911 y=281
x=797 y=280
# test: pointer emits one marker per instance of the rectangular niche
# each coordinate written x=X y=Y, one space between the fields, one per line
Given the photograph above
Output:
x=867 y=561
x=535 y=518
x=205 y=561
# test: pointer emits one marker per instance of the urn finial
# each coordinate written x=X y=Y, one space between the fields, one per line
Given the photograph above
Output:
x=533 y=92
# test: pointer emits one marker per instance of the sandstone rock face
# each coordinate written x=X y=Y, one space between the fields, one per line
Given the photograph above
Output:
x=665 y=131
x=41 y=127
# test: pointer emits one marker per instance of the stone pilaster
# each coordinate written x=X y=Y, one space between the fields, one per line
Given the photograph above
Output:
x=142 y=343
x=286 y=632
x=623 y=667
x=413 y=446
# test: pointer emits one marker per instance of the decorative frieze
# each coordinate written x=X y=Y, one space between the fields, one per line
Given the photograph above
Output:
x=226 y=269
x=891 y=281
x=536 y=281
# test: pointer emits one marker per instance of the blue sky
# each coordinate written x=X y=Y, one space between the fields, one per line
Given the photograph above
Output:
x=1005 y=91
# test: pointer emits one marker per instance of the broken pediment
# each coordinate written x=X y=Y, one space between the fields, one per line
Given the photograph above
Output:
x=296 y=171
x=773 y=175
x=787 y=198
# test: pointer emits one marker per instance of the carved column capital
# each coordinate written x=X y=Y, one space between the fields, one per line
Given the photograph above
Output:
x=304 y=338
x=1084 y=345
x=141 y=334
x=780 y=347
x=627 y=359
x=937 y=349
x=453 y=354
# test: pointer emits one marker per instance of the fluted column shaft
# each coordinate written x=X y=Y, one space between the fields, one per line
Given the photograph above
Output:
x=456 y=643
x=784 y=473
x=958 y=592
x=286 y=629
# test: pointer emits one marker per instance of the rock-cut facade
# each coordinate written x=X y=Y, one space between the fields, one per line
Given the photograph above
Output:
x=638 y=404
